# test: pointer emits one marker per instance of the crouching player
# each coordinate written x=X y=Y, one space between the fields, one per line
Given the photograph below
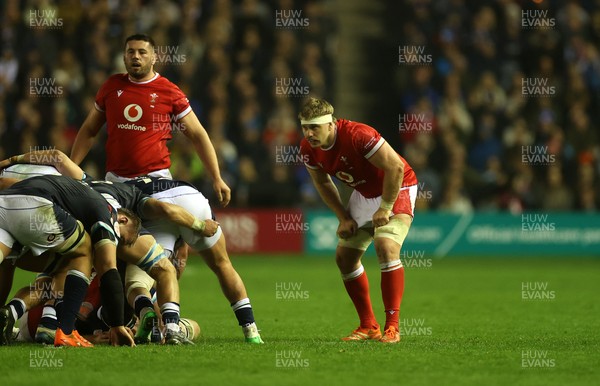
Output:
x=145 y=252
x=212 y=247
x=72 y=220
x=380 y=207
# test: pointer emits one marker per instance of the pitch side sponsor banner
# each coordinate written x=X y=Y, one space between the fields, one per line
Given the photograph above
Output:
x=263 y=231
x=480 y=235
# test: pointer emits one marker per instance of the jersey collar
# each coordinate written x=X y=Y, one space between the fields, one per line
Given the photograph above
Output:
x=334 y=139
x=156 y=75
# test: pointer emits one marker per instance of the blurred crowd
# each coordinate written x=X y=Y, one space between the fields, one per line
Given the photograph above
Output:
x=227 y=56
x=510 y=102
x=506 y=110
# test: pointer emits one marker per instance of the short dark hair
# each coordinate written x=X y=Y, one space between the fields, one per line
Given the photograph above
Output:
x=135 y=220
x=142 y=37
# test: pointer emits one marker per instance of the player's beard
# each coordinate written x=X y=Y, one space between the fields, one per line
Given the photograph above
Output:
x=138 y=72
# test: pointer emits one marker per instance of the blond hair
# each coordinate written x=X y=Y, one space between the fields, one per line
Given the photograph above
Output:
x=315 y=108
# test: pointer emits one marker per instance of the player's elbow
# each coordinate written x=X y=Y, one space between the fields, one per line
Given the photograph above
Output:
x=395 y=167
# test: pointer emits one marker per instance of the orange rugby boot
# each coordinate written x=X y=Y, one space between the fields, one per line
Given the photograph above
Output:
x=391 y=335
x=363 y=334
x=71 y=340
x=84 y=342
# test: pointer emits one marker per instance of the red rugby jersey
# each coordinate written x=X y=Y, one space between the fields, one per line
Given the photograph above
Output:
x=138 y=122
x=348 y=158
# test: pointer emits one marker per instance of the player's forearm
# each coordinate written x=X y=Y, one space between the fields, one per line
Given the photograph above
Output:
x=154 y=210
x=87 y=135
x=51 y=157
x=207 y=154
x=81 y=147
x=392 y=181
x=331 y=197
x=202 y=144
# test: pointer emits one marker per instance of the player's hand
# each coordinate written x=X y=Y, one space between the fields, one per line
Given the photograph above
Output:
x=4 y=164
x=347 y=228
x=99 y=337
x=210 y=228
x=121 y=336
x=223 y=192
x=381 y=217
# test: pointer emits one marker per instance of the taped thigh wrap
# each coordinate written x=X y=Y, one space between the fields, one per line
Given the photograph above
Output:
x=395 y=230
x=137 y=278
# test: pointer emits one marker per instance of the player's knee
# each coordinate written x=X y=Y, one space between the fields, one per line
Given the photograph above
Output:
x=339 y=261
x=218 y=261
x=347 y=263
x=389 y=239
x=155 y=259
x=101 y=234
x=162 y=268
x=387 y=251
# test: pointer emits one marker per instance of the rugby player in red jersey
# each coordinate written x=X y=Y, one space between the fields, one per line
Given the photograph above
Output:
x=380 y=207
x=138 y=108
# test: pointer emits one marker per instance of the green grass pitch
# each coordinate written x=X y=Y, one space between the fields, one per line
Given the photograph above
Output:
x=466 y=322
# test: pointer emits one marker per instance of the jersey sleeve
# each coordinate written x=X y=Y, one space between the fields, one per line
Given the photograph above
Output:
x=181 y=104
x=366 y=140
x=100 y=101
x=307 y=155
x=138 y=199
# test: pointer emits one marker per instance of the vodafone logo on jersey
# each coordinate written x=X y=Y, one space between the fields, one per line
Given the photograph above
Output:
x=346 y=177
x=133 y=113
x=349 y=179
